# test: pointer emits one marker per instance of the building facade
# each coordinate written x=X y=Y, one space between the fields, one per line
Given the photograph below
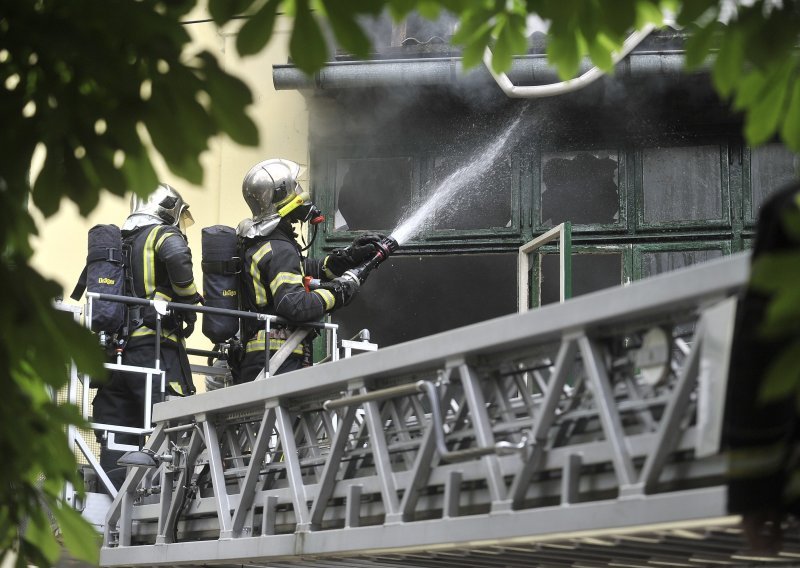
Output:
x=648 y=166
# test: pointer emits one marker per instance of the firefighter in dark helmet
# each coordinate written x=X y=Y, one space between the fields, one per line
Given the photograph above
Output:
x=159 y=268
x=273 y=265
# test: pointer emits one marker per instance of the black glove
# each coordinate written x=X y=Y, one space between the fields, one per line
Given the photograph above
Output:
x=343 y=290
x=186 y=321
x=361 y=250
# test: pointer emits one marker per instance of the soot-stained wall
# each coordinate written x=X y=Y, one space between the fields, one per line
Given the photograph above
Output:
x=652 y=173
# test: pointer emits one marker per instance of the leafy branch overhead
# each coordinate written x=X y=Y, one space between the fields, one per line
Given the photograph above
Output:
x=755 y=63
x=96 y=87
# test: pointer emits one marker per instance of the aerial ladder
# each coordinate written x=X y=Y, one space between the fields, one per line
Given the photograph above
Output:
x=585 y=433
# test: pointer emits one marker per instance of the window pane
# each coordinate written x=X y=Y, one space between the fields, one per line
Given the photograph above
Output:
x=372 y=193
x=411 y=297
x=771 y=167
x=590 y=272
x=682 y=184
x=481 y=205
x=657 y=262
x=581 y=187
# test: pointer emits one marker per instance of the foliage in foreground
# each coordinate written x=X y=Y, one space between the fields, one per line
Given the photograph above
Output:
x=95 y=85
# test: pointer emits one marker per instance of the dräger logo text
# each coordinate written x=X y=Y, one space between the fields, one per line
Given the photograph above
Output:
x=108 y=281
x=229 y=292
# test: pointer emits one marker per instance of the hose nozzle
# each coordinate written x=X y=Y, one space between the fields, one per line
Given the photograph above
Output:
x=386 y=247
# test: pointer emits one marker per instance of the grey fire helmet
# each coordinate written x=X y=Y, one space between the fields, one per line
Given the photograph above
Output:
x=163 y=206
x=272 y=191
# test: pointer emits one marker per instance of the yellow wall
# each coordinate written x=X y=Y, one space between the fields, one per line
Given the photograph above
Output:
x=282 y=118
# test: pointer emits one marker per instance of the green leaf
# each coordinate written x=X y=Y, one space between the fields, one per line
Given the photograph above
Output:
x=648 y=13
x=429 y=9
x=80 y=537
x=45 y=199
x=257 y=31
x=139 y=173
x=307 y=45
x=782 y=377
x=40 y=534
x=601 y=54
x=763 y=115
x=399 y=9
x=472 y=54
x=563 y=51
x=783 y=313
x=728 y=65
x=347 y=31
x=473 y=25
x=771 y=272
x=790 y=130
x=698 y=45
x=749 y=91
x=511 y=41
x=617 y=17
x=229 y=98
x=692 y=10
x=790 y=219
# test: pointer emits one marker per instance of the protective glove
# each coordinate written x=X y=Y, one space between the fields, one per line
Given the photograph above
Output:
x=361 y=249
x=187 y=320
x=343 y=290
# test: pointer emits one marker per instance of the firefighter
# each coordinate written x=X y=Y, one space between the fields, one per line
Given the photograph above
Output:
x=158 y=267
x=274 y=267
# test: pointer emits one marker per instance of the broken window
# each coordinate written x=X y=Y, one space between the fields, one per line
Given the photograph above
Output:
x=682 y=184
x=581 y=187
x=372 y=193
x=482 y=204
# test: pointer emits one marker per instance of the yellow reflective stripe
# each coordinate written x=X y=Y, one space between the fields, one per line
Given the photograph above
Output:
x=158 y=295
x=274 y=344
x=327 y=297
x=260 y=291
x=756 y=461
x=149 y=260
x=327 y=270
x=163 y=238
x=145 y=331
x=188 y=290
x=284 y=278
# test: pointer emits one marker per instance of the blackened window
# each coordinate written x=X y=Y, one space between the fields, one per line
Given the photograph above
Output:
x=590 y=272
x=682 y=184
x=483 y=204
x=409 y=297
x=771 y=167
x=664 y=261
x=372 y=193
x=581 y=187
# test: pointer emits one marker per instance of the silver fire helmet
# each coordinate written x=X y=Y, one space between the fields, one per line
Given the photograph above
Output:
x=163 y=206
x=272 y=191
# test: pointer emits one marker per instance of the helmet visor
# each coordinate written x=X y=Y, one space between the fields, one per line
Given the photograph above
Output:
x=186 y=220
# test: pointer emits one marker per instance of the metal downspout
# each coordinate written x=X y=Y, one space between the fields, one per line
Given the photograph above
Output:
x=538 y=91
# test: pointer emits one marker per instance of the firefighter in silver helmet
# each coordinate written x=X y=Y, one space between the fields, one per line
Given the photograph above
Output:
x=158 y=267
x=272 y=281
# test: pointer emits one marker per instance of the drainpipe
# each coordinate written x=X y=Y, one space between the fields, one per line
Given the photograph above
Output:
x=538 y=91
